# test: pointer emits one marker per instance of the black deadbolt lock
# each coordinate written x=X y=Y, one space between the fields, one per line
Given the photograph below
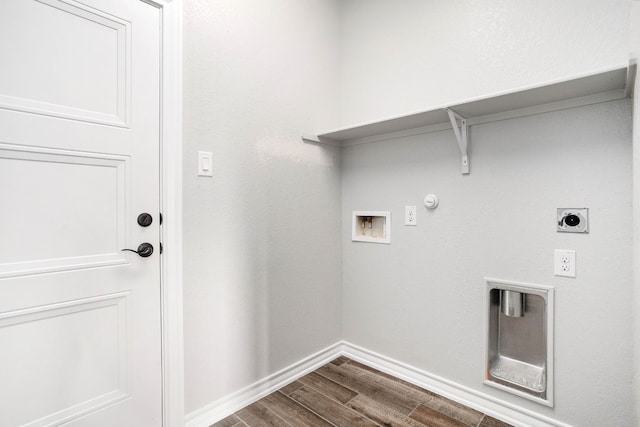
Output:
x=144 y=219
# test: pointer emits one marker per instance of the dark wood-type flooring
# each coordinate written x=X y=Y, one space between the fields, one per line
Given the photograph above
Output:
x=345 y=393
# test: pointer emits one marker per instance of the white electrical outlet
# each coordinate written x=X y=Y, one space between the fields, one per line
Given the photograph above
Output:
x=564 y=263
x=410 y=215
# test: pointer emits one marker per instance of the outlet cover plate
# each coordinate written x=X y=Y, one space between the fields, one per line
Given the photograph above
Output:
x=564 y=263
x=410 y=215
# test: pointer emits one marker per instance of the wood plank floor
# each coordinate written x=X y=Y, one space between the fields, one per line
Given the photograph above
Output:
x=345 y=393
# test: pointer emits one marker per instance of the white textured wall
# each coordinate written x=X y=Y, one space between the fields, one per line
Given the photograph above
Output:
x=635 y=49
x=404 y=56
x=636 y=242
x=262 y=251
x=263 y=239
x=420 y=299
x=635 y=29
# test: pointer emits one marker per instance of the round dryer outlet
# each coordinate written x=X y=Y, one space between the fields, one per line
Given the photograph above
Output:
x=573 y=220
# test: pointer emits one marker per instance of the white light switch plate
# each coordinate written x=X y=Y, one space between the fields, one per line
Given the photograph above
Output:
x=205 y=163
x=564 y=263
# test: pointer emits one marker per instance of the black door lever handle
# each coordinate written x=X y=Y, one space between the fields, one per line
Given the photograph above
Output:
x=144 y=250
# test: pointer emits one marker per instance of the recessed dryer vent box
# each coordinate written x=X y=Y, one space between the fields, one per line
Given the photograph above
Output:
x=371 y=226
x=519 y=339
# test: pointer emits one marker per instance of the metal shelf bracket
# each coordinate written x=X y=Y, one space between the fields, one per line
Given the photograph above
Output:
x=462 y=135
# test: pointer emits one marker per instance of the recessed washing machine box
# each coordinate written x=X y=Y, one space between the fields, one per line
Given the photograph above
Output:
x=371 y=226
x=519 y=339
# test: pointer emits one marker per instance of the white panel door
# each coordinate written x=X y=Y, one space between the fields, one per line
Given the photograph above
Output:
x=79 y=161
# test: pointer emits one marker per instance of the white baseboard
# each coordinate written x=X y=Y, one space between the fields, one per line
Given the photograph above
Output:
x=227 y=405
x=485 y=403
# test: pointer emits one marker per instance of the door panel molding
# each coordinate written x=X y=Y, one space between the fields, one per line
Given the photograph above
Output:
x=48 y=254
x=102 y=102
x=106 y=314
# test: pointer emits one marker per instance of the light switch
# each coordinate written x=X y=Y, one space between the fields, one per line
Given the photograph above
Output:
x=205 y=163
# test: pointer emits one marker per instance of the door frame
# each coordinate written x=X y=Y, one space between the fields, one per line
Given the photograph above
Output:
x=171 y=205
